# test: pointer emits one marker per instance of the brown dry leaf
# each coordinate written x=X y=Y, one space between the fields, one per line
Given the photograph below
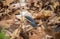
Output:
x=7 y=23
x=43 y=14
x=37 y=34
x=47 y=13
x=9 y=1
x=39 y=15
x=55 y=4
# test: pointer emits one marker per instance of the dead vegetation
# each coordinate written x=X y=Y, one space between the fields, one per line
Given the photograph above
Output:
x=37 y=19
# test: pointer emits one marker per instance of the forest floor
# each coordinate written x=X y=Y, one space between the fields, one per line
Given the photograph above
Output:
x=39 y=19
